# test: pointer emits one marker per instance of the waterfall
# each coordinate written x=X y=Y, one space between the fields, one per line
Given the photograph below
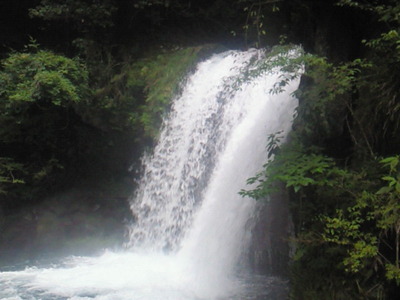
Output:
x=191 y=227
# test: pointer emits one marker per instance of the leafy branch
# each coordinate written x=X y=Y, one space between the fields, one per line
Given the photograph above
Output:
x=7 y=170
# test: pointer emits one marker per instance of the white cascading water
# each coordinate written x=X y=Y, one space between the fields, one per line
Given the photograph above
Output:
x=191 y=226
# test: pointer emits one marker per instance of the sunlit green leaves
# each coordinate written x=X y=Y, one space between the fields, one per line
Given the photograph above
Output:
x=391 y=162
x=297 y=169
x=42 y=76
x=364 y=226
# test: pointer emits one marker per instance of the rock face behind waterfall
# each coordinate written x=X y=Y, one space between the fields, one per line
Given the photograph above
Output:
x=270 y=246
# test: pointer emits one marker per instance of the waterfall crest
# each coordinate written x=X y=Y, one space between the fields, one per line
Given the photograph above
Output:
x=191 y=226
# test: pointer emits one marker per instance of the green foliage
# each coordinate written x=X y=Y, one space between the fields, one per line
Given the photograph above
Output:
x=39 y=92
x=82 y=27
x=380 y=85
x=159 y=77
x=44 y=77
x=255 y=28
x=7 y=170
x=295 y=168
x=339 y=217
x=135 y=96
x=345 y=201
x=328 y=107
x=82 y=14
x=287 y=60
x=387 y=12
x=364 y=228
x=47 y=106
x=41 y=82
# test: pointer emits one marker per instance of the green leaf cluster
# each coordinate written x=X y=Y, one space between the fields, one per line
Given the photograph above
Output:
x=43 y=77
x=8 y=173
x=297 y=168
x=39 y=94
x=368 y=226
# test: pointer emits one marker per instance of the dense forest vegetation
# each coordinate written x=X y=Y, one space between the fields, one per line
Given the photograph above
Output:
x=84 y=85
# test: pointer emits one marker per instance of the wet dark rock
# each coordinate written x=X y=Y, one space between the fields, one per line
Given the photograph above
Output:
x=270 y=247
